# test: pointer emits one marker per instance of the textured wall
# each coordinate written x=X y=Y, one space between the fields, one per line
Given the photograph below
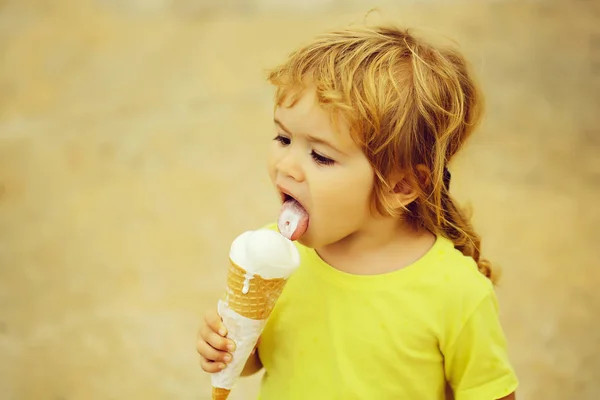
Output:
x=126 y=132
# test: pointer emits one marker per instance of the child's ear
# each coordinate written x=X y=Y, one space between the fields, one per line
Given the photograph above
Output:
x=404 y=189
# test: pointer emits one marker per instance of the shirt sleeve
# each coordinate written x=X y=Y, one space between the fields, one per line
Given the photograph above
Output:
x=476 y=362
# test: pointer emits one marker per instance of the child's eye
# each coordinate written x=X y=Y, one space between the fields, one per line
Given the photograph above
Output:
x=322 y=160
x=283 y=140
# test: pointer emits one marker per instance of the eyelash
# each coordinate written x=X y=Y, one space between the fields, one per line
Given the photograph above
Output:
x=319 y=159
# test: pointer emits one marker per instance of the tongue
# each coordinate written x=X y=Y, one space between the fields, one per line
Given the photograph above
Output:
x=293 y=220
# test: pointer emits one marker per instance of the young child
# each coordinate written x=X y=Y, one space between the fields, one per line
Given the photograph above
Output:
x=392 y=299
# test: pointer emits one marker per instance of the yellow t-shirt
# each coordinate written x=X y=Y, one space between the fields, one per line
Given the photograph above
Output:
x=399 y=335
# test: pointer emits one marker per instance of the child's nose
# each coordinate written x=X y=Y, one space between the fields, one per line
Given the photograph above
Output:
x=289 y=166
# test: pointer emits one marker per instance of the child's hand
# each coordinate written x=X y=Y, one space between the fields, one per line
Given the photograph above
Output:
x=213 y=346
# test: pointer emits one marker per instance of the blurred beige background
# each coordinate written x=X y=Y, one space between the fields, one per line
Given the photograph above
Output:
x=132 y=143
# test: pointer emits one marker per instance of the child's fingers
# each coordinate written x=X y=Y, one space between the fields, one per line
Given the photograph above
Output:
x=213 y=320
x=218 y=342
x=212 y=354
x=211 y=366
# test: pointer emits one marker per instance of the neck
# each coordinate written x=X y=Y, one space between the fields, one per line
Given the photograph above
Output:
x=383 y=245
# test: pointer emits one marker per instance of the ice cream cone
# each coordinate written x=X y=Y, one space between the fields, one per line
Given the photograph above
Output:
x=220 y=393
x=252 y=296
x=251 y=293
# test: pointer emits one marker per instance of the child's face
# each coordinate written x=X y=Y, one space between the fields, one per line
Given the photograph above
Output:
x=323 y=169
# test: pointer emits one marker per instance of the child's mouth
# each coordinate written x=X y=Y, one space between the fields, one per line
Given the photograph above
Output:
x=293 y=218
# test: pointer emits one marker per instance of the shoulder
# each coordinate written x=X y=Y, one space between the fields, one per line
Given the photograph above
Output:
x=457 y=279
x=459 y=290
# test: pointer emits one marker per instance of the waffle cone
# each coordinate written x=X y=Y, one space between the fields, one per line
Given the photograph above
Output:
x=220 y=393
x=260 y=298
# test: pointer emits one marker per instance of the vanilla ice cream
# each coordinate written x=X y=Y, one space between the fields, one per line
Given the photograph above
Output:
x=266 y=253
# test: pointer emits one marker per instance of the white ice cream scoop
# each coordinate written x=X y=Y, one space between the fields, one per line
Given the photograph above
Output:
x=266 y=253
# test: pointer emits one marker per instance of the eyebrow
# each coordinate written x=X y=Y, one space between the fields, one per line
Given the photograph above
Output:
x=309 y=137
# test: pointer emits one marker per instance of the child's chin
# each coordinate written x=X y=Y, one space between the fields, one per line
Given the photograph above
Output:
x=306 y=240
x=311 y=241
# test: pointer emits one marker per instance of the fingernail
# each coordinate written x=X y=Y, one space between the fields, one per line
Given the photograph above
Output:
x=222 y=366
x=222 y=332
x=231 y=347
x=227 y=358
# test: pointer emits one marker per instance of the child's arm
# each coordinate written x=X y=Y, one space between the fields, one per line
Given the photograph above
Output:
x=253 y=365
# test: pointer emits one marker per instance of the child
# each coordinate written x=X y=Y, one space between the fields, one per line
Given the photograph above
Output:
x=392 y=300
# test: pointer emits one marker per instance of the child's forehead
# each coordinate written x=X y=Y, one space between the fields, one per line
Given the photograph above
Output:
x=301 y=103
x=302 y=108
x=306 y=117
